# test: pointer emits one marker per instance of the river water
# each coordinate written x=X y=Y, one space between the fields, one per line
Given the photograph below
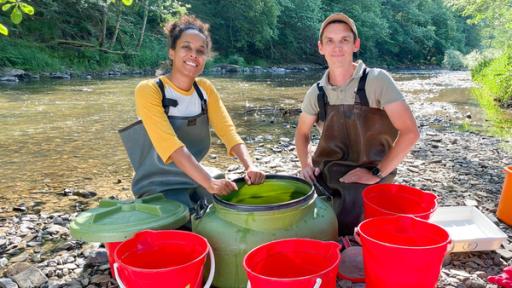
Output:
x=58 y=135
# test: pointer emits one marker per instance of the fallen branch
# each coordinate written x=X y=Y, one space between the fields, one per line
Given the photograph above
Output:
x=85 y=45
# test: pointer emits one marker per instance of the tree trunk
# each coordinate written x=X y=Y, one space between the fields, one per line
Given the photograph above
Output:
x=104 y=25
x=272 y=51
x=118 y=23
x=146 y=8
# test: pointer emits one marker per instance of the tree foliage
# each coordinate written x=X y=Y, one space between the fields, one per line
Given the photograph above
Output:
x=494 y=16
x=496 y=19
x=392 y=32
x=17 y=8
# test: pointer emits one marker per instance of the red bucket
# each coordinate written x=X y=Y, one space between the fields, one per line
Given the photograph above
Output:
x=164 y=258
x=402 y=252
x=396 y=199
x=111 y=248
x=298 y=263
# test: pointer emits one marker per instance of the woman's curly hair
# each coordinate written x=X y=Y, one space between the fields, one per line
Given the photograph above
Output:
x=174 y=30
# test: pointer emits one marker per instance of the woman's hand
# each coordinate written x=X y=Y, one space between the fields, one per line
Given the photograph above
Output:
x=360 y=175
x=221 y=186
x=254 y=175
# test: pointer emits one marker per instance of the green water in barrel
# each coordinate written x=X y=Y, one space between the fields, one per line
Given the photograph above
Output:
x=272 y=191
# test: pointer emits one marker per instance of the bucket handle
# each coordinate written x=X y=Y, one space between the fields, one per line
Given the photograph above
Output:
x=212 y=267
x=357 y=235
x=206 y=285
x=116 y=275
x=318 y=283
x=450 y=247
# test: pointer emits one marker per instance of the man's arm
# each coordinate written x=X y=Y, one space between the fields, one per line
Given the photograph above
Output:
x=401 y=117
x=302 y=140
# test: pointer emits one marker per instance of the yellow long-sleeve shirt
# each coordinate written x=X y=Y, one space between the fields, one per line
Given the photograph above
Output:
x=148 y=104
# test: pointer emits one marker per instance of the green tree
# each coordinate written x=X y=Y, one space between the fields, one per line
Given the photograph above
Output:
x=372 y=25
x=495 y=17
x=297 y=27
x=17 y=9
x=239 y=27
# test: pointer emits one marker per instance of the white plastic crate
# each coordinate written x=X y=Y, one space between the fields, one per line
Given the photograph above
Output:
x=469 y=229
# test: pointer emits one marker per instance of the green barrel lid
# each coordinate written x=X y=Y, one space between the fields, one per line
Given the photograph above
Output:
x=116 y=220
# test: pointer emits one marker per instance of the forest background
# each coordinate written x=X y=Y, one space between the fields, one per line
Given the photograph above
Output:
x=96 y=35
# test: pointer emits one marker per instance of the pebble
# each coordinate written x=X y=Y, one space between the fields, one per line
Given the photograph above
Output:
x=7 y=283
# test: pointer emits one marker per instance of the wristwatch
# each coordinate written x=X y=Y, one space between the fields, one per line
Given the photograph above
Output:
x=376 y=172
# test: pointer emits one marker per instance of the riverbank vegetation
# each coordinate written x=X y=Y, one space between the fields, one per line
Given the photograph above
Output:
x=96 y=34
x=493 y=71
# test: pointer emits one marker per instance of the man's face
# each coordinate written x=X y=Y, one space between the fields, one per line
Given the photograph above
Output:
x=337 y=44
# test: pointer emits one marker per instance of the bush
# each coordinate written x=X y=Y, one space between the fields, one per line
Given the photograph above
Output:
x=236 y=60
x=476 y=57
x=453 y=60
x=496 y=76
x=232 y=59
x=27 y=55
x=151 y=54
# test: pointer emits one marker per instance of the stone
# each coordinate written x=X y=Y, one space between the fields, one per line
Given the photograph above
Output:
x=481 y=274
x=7 y=283
x=32 y=277
x=98 y=257
x=505 y=254
x=57 y=229
x=474 y=283
x=11 y=79
x=459 y=273
x=73 y=284
x=16 y=268
x=470 y=202
x=100 y=278
x=3 y=262
x=20 y=258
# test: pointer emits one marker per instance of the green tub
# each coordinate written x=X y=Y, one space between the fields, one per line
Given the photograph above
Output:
x=282 y=207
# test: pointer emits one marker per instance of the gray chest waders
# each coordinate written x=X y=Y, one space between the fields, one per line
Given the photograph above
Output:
x=151 y=174
x=353 y=136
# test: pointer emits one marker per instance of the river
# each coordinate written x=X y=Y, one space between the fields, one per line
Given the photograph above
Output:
x=59 y=135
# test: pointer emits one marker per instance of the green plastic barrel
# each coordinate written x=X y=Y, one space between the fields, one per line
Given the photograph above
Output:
x=282 y=207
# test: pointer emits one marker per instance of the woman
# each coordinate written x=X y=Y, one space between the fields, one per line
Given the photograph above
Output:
x=165 y=151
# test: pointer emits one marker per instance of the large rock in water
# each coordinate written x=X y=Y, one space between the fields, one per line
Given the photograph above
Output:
x=227 y=68
x=14 y=75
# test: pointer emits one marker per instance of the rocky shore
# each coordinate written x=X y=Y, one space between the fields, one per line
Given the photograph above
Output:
x=13 y=75
x=462 y=168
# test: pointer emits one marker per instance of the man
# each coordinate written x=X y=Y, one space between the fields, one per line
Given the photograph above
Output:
x=366 y=126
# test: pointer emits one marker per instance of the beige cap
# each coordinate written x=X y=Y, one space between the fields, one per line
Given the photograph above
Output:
x=338 y=17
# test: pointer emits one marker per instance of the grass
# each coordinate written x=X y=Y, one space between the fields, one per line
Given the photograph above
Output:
x=27 y=56
x=500 y=120
x=33 y=57
x=496 y=76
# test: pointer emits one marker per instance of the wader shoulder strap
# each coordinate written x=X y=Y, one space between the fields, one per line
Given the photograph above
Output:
x=322 y=103
x=362 y=98
x=166 y=102
x=204 y=106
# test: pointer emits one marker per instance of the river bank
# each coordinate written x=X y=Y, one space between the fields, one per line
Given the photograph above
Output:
x=14 y=75
x=462 y=168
